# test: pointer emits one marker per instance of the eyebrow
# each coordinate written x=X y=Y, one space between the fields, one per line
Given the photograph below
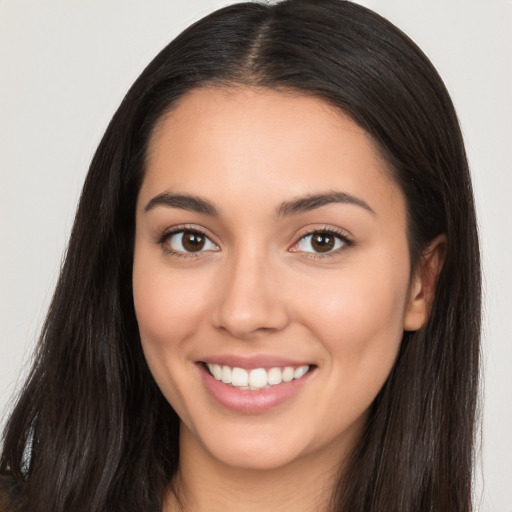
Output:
x=312 y=202
x=183 y=202
x=294 y=207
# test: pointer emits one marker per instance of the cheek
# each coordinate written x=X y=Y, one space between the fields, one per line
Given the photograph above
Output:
x=360 y=325
x=166 y=306
x=358 y=317
x=168 y=311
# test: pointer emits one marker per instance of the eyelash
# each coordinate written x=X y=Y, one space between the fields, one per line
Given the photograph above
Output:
x=180 y=229
x=347 y=242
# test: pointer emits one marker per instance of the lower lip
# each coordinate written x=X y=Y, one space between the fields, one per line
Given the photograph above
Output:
x=251 y=402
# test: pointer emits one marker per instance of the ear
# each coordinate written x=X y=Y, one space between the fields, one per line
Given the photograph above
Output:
x=423 y=284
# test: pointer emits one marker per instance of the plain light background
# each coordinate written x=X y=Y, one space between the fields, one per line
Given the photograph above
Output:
x=66 y=64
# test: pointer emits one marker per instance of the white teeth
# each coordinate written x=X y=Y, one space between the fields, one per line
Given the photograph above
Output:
x=275 y=376
x=239 y=377
x=256 y=378
x=288 y=374
x=216 y=370
x=300 y=372
x=226 y=375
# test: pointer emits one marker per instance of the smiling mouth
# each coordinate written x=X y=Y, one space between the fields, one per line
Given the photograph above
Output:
x=257 y=378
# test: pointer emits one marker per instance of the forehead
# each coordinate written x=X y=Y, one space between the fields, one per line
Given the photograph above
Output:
x=261 y=117
x=225 y=139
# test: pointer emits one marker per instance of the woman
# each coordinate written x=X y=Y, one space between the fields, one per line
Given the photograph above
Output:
x=271 y=294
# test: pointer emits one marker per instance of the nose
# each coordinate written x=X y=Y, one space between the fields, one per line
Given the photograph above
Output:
x=250 y=300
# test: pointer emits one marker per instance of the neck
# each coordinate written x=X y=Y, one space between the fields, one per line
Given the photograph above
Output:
x=204 y=484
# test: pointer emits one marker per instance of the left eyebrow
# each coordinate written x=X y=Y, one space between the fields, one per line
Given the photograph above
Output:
x=312 y=202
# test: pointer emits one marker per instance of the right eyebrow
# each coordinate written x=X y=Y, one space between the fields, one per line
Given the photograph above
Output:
x=183 y=202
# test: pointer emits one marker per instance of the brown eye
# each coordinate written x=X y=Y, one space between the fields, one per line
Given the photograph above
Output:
x=192 y=242
x=321 y=242
x=188 y=241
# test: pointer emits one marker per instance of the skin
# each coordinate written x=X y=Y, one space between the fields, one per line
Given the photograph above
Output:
x=259 y=287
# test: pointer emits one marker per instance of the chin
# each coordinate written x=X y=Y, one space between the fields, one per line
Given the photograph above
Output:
x=254 y=456
x=256 y=446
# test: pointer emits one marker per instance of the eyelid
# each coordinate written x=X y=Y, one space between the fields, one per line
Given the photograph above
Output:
x=339 y=233
x=174 y=230
x=342 y=235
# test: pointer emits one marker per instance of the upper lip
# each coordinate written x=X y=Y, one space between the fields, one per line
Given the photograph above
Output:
x=253 y=361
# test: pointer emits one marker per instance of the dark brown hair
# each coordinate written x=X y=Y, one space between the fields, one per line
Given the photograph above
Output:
x=91 y=430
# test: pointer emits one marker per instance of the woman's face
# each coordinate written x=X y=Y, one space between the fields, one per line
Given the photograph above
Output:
x=270 y=245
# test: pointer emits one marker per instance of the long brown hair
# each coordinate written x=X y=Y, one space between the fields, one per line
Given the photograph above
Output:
x=91 y=430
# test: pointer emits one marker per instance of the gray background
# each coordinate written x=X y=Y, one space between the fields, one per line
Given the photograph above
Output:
x=66 y=64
